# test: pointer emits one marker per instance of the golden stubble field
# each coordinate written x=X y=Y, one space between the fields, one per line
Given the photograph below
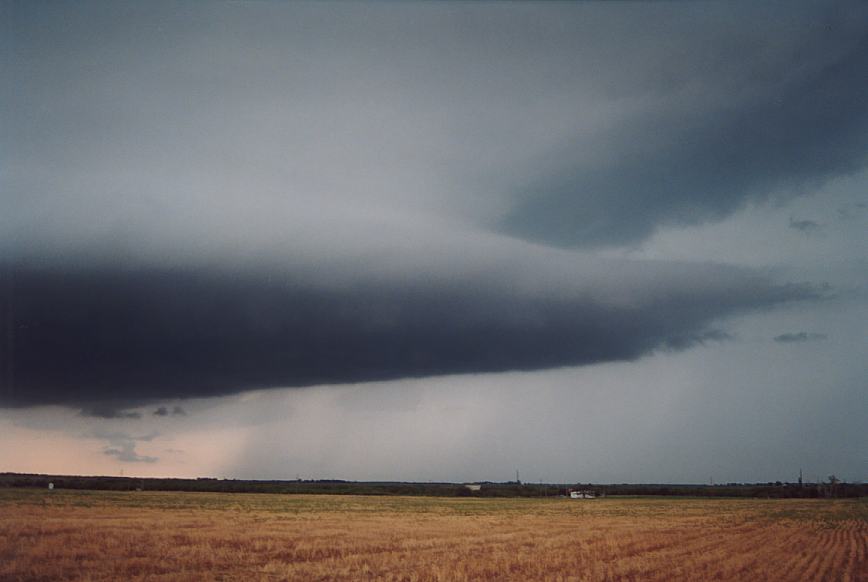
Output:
x=66 y=535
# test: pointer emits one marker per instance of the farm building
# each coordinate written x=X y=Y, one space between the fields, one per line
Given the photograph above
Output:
x=582 y=495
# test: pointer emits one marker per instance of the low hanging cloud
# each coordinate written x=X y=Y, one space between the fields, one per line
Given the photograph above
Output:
x=800 y=337
x=122 y=446
x=121 y=336
x=108 y=412
x=698 y=339
x=174 y=411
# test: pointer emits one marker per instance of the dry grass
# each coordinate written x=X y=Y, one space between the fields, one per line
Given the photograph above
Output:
x=196 y=536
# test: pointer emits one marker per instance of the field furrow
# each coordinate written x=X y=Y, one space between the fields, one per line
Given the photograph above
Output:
x=163 y=536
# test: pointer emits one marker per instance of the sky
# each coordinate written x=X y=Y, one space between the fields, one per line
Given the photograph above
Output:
x=596 y=242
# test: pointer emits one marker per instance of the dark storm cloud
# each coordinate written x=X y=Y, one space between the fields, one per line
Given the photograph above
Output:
x=109 y=412
x=175 y=411
x=785 y=128
x=124 y=336
x=200 y=199
x=800 y=337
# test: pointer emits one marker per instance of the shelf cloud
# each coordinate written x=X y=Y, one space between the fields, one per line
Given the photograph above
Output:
x=122 y=334
x=211 y=199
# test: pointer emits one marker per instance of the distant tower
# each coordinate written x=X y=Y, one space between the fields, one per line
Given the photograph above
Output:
x=800 y=477
x=517 y=480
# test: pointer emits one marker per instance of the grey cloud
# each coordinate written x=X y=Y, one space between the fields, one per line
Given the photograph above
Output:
x=559 y=123
x=796 y=123
x=205 y=199
x=800 y=337
x=849 y=211
x=122 y=446
x=122 y=336
x=806 y=226
x=175 y=411
x=129 y=455
x=108 y=411
x=697 y=339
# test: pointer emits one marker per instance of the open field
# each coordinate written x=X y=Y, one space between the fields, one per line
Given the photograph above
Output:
x=194 y=536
